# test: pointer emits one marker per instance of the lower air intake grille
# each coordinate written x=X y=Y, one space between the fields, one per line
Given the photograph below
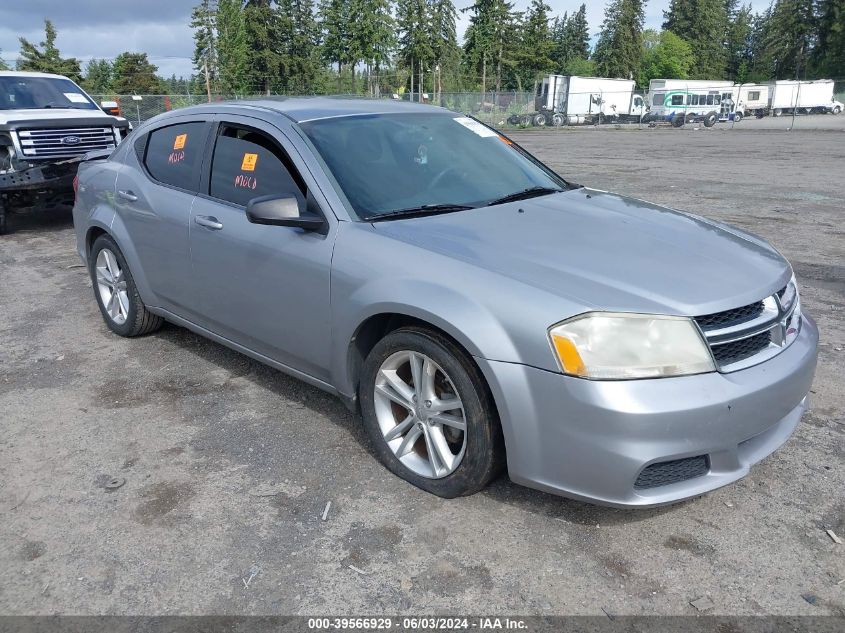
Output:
x=665 y=473
x=736 y=351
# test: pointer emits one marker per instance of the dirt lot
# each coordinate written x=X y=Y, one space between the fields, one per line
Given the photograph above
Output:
x=229 y=465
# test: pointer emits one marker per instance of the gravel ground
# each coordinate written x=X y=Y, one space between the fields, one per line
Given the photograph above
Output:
x=228 y=465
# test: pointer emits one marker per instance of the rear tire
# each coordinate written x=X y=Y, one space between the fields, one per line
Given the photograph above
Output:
x=114 y=289
x=677 y=120
x=480 y=444
x=737 y=117
x=539 y=120
x=777 y=112
x=558 y=120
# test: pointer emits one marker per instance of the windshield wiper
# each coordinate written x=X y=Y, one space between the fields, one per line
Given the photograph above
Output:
x=531 y=192
x=422 y=210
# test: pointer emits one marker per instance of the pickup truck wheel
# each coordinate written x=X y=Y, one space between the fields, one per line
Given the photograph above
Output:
x=116 y=293
x=429 y=415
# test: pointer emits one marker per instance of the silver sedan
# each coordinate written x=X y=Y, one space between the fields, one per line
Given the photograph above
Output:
x=480 y=311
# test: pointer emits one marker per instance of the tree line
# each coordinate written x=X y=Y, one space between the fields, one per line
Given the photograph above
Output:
x=386 y=46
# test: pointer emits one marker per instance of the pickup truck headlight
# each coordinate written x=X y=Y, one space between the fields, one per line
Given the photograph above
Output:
x=616 y=346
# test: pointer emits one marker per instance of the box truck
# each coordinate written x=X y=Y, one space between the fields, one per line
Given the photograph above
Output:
x=571 y=100
x=802 y=97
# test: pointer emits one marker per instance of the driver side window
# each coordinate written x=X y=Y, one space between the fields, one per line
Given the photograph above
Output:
x=247 y=164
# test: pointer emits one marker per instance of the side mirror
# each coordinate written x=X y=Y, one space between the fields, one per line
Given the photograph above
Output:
x=283 y=210
x=110 y=107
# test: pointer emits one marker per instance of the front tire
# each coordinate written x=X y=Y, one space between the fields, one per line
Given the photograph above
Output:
x=429 y=415
x=117 y=296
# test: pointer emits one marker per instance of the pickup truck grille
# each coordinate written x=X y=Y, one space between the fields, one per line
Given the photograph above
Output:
x=64 y=142
x=744 y=336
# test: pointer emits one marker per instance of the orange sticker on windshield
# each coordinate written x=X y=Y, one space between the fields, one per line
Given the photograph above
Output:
x=249 y=161
x=179 y=142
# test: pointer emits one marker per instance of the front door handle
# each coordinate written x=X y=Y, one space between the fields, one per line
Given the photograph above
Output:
x=209 y=222
x=127 y=195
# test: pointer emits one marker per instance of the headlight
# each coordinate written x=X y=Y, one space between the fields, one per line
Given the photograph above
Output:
x=614 y=346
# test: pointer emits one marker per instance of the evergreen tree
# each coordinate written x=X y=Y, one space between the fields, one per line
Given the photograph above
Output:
x=373 y=38
x=560 y=47
x=533 y=57
x=446 y=53
x=132 y=73
x=415 y=50
x=98 y=73
x=302 y=54
x=205 y=42
x=619 y=48
x=233 y=50
x=791 y=36
x=265 y=28
x=829 y=56
x=488 y=37
x=47 y=59
x=578 y=34
x=738 y=40
x=702 y=23
x=3 y=64
x=335 y=23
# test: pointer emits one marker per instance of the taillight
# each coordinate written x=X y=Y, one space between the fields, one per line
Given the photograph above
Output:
x=75 y=184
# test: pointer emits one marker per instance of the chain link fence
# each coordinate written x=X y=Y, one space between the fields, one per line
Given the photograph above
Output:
x=675 y=103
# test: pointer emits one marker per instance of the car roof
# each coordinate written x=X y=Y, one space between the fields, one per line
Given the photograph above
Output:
x=302 y=109
x=19 y=73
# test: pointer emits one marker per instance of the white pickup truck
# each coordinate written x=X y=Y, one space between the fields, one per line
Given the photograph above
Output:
x=47 y=124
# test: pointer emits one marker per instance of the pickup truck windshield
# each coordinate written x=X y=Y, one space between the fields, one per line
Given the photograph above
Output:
x=393 y=164
x=30 y=93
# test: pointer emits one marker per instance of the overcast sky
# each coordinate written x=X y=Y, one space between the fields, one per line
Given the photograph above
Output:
x=105 y=28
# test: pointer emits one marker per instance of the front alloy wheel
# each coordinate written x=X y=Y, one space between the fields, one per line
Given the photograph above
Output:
x=420 y=414
x=428 y=413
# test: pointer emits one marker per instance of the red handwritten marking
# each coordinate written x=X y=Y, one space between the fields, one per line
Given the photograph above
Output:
x=245 y=182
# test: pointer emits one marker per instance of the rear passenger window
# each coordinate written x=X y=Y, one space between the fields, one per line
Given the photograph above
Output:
x=677 y=100
x=174 y=152
x=248 y=164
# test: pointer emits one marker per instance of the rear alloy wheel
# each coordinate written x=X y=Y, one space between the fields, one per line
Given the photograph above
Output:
x=118 y=298
x=428 y=413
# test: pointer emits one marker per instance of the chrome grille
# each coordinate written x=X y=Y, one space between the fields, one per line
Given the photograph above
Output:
x=729 y=317
x=60 y=142
x=744 y=336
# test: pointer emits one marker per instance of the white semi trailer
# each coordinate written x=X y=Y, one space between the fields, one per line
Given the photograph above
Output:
x=802 y=97
x=571 y=100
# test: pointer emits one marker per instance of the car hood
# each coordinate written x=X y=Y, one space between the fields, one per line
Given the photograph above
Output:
x=55 y=114
x=607 y=251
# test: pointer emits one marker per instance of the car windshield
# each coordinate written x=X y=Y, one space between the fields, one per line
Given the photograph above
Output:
x=30 y=93
x=389 y=164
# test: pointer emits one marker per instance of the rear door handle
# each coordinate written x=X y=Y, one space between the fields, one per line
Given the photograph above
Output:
x=127 y=195
x=209 y=222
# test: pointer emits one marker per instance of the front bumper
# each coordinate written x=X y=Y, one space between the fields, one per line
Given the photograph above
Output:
x=48 y=177
x=591 y=439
